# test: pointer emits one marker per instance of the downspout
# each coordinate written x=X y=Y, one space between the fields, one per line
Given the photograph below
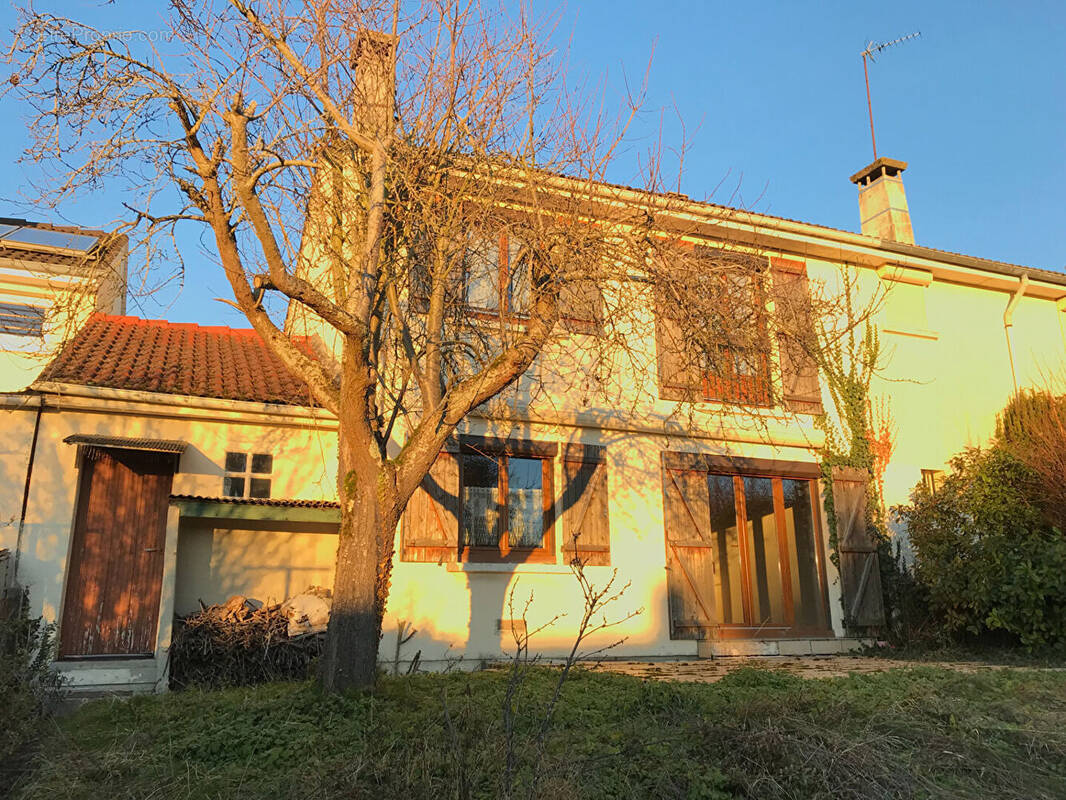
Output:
x=1008 y=322
x=26 y=488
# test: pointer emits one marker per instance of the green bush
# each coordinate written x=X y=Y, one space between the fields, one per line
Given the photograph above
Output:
x=986 y=557
x=29 y=687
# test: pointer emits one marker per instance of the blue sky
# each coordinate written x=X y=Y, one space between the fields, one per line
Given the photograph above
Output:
x=773 y=100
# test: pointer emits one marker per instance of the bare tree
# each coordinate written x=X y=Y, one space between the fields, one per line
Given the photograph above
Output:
x=425 y=191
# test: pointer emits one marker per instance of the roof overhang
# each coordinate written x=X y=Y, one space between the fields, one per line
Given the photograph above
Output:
x=173 y=446
x=233 y=509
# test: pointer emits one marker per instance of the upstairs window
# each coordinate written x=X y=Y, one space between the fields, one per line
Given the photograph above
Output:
x=248 y=475
x=17 y=319
x=495 y=279
x=496 y=276
x=716 y=349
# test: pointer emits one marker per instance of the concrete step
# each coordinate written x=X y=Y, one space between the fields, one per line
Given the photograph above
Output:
x=104 y=677
x=720 y=648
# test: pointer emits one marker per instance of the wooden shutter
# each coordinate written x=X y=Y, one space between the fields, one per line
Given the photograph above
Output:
x=431 y=520
x=860 y=574
x=689 y=551
x=680 y=377
x=581 y=306
x=586 y=521
x=795 y=335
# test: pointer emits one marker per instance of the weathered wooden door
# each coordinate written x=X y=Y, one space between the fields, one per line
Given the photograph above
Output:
x=111 y=606
x=689 y=553
x=860 y=573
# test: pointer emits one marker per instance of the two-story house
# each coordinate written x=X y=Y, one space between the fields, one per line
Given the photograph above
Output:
x=175 y=464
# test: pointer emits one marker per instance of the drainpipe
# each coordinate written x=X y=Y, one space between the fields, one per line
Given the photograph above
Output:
x=26 y=490
x=1008 y=322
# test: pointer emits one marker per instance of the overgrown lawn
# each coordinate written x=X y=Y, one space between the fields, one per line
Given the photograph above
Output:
x=915 y=732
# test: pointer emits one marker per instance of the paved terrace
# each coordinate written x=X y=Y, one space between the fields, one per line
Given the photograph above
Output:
x=711 y=670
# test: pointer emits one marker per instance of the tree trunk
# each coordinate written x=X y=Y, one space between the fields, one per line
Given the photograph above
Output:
x=368 y=519
x=350 y=657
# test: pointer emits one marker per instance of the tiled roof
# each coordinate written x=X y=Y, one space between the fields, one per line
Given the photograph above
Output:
x=151 y=355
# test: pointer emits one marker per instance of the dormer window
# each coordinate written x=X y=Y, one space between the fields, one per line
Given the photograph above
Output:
x=248 y=475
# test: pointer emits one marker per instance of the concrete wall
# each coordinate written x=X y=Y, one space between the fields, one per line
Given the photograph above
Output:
x=456 y=607
x=269 y=563
x=17 y=416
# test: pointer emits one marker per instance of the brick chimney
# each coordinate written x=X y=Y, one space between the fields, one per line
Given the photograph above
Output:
x=882 y=201
x=375 y=82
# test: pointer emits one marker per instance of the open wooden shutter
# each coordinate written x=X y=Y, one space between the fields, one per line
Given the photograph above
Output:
x=679 y=375
x=795 y=335
x=860 y=575
x=689 y=548
x=581 y=306
x=431 y=520
x=586 y=522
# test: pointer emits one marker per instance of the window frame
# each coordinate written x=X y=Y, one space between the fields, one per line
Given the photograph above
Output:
x=789 y=627
x=247 y=475
x=502 y=451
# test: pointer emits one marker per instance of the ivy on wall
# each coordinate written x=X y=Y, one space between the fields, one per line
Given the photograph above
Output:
x=848 y=360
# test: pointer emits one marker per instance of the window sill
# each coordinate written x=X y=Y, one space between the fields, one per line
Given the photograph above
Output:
x=506 y=569
x=915 y=333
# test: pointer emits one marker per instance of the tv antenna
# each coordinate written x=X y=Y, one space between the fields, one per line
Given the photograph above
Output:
x=871 y=48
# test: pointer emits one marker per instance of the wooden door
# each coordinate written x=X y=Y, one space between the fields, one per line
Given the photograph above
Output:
x=111 y=606
x=689 y=553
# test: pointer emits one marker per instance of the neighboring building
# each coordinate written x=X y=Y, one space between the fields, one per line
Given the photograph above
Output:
x=719 y=528
x=51 y=279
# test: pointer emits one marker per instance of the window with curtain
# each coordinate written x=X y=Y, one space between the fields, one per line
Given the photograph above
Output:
x=505 y=505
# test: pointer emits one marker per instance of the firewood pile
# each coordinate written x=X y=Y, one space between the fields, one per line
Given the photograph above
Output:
x=243 y=642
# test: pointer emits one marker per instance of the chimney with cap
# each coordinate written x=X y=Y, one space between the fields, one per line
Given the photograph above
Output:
x=882 y=201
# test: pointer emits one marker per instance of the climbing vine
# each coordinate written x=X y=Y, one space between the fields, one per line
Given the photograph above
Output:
x=859 y=432
x=849 y=356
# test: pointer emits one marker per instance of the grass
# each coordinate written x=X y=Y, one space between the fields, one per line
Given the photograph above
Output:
x=910 y=732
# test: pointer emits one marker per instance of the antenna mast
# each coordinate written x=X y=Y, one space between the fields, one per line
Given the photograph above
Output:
x=871 y=48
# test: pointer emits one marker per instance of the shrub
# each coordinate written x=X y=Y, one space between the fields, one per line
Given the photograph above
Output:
x=29 y=687
x=1033 y=428
x=985 y=554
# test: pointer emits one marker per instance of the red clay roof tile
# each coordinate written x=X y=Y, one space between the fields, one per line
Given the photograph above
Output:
x=151 y=355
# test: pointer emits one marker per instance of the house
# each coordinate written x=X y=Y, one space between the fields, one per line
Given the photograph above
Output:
x=153 y=466
x=52 y=278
